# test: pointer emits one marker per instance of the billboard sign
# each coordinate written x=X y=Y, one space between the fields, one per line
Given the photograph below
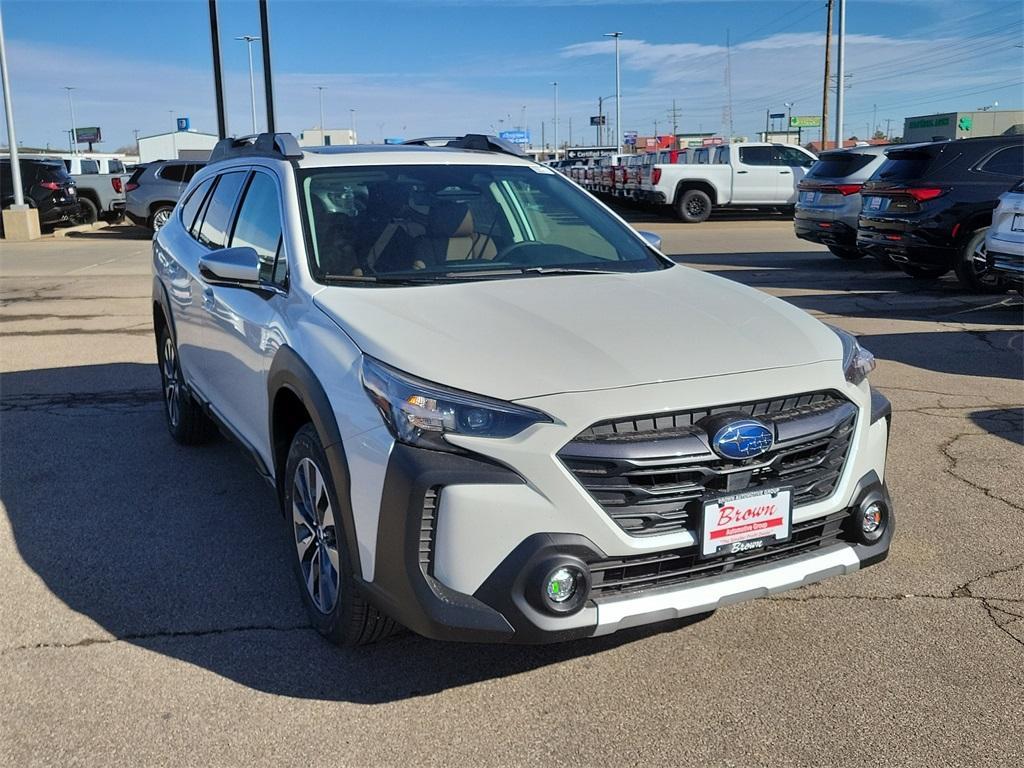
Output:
x=88 y=135
x=629 y=138
x=805 y=121
x=599 y=119
x=710 y=142
x=777 y=115
x=184 y=123
x=515 y=137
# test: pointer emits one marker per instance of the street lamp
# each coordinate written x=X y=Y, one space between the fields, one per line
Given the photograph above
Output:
x=555 y=84
x=618 y=93
x=249 y=40
x=71 y=107
x=352 y=123
x=323 y=135
x=789 y=116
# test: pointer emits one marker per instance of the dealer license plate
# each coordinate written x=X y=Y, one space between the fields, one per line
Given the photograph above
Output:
x=746 y=522
x=809 y=197
x=875 y=203
x=1017 y=225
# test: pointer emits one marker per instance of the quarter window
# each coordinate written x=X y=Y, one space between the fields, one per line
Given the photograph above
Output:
x=1008 y=161
x=213 y=232
x=792 y=157
x=193 y=204
x=175 y=172
x=259 y=226
x=90 y=166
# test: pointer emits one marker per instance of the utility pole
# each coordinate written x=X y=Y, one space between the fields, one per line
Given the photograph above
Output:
x=874 y=120
x=888 y=133
x=828 y=77
x=249 y=40
x=570 y=131
x=728 y=85
x=618 y=93
x=323 y=133
x=767 y=114
x=555 y=84
x=543 y=140
x=840 y=74
x=136 y=132
x=674 y=114
x=74 y=131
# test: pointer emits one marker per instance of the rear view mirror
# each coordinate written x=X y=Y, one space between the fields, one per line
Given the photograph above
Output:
x=238 y=267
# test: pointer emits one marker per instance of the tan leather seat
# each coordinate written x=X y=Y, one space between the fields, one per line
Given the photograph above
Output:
x=451 y=236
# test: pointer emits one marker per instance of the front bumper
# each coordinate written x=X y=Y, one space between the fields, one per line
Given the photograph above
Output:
x=1009 y=265
x=444 y=517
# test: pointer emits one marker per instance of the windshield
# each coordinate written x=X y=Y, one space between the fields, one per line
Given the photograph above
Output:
x=439 y=223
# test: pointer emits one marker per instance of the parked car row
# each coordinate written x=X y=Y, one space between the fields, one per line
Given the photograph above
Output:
x=695 y=182
x=46 y=186
x=925 y=208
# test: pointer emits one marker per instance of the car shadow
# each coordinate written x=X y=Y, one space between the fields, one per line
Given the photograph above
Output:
x=993 y=354
x=114 y=232
x=182 y=551
x=1007 y=423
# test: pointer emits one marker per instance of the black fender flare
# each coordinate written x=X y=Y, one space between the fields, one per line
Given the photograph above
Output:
x=163 y=301
x=290 y=372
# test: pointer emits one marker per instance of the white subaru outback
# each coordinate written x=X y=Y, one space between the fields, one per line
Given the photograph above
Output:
x=491 y=410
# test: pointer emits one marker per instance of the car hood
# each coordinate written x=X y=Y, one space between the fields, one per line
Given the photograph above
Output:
x=526 y=337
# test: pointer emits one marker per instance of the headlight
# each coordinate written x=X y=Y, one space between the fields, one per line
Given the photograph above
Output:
x=420 y=413
x=857 y=361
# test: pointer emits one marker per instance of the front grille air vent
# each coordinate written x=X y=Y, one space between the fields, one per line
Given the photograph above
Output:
x=428 y=530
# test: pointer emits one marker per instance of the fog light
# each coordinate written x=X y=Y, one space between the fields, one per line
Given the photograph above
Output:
x=873 y=519
x=561 y=585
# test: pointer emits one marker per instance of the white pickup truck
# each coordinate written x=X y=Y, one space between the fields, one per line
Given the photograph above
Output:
x=742 y=175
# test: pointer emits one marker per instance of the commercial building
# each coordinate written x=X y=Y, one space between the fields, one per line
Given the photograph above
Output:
x=963 y=125
x=326 y=137
x=178 y=145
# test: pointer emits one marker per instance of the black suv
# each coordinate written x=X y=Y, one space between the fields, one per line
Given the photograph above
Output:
x=928 y=206
x=46 y=185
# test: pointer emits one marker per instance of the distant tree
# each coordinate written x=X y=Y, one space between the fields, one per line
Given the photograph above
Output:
x=879 y=135
x=127 y=149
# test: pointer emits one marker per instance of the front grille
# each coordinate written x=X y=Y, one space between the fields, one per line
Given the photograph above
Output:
x=428 y=529
x=635 y=572
x=651 y=474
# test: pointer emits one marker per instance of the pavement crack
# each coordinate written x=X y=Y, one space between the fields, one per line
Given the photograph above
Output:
x=119 y=398
x=165 y=635
x=946 y=450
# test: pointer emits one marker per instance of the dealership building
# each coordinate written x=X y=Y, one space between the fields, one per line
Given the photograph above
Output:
x=177 y=145
x=963 y=125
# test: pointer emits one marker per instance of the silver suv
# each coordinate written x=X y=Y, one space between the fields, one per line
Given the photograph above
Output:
x=154 y=189
x=829 y=201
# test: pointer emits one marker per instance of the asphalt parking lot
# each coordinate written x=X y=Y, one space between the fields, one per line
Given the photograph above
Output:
x=148 y=614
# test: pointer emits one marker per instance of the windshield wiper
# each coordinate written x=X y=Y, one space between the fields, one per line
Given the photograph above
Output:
x=568 y=271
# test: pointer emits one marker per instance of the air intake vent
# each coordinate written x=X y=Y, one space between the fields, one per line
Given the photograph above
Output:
x=428 y=529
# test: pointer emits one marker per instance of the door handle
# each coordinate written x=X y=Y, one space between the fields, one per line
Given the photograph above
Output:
x=741 y=171
x=785 y=173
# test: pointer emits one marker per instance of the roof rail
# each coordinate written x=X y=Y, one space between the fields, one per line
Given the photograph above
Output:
x=477 y=141
x=280 y=146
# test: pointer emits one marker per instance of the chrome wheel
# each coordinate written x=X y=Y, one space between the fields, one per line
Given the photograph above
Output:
x=161 y=217
x=173 y=388
x=979 y=264
x=316 y=536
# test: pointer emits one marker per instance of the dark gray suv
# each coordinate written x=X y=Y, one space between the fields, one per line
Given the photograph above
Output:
x=154 y=189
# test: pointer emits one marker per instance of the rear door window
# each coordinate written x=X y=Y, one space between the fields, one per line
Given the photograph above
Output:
x=89 y=166
x=173 y=172
x=1008 y=161
x=214 y=230
x=757 y=155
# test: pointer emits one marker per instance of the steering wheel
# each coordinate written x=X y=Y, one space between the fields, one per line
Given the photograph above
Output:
x=514 y=253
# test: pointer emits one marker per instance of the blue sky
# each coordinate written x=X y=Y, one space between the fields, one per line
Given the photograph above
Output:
x=444 y=66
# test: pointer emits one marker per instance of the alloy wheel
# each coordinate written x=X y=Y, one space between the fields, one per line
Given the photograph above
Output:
x=695 y=206
x=161 y=217
x=172 y=382
x=316 y=536
x=979 y=263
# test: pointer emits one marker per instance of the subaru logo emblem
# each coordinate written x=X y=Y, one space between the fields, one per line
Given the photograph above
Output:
x=745 y=439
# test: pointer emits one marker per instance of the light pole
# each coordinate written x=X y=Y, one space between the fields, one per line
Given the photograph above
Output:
x=323 y=135
x=12 y=140
x=789 y=118
x=555 y=142
x=600 y=121
x=249 y=40
x=71 y=107
x=352 y=123
x=840 y=74
x=618 y=93
x=174 y=134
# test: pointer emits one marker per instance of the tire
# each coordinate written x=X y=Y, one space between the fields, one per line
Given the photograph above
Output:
x=186 y=421
x=319 y=555
x=850 y=254
x=924 y=273
x=694 y=206
x=88 y=213
x=160 y=217
x=971 y=265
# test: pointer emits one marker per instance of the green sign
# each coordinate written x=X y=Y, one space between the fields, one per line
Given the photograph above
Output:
x=928 y=122
x=964 y=123
x=805 y=121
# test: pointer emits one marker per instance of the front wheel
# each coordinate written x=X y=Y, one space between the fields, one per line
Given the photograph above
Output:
x=972 y=268
x=321 y=559
x=850 y=254
x=694 y=206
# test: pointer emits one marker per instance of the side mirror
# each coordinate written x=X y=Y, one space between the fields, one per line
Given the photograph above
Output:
x=652 y=239
x=236 y=267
